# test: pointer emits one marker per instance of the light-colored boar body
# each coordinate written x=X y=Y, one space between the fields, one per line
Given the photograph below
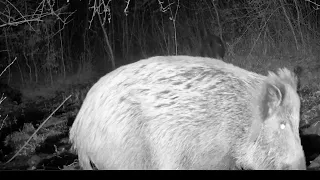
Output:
x=182 y=112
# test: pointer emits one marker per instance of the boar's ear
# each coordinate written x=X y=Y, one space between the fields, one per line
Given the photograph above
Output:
x=288 y=77
x=271 y=98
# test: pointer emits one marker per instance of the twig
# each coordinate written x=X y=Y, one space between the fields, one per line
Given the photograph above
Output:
x=2 y=98
x=2 y=124
x=164 y=9
x=37 y=130
x=19 y=22
x=19 y=13
x=39 y=13
x=314 y=3
x=99 y=8
x=126 y=8
x=8 y=66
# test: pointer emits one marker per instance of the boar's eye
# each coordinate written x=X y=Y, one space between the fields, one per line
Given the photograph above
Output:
x=282 y=125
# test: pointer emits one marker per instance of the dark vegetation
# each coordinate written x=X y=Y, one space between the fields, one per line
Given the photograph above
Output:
x=53 y=49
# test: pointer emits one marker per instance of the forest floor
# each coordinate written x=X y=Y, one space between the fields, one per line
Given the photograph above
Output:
x=35 y=131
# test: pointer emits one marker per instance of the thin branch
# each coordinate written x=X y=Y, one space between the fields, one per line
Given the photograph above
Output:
x=64 y=22
x=18 y=12
x=40 y=12
x=101 y=8
x=164 y=9
x=19 y=22
x=314 y=3
x=8 y=66
x=126 y=8
x=3 y=121
x=17 y=153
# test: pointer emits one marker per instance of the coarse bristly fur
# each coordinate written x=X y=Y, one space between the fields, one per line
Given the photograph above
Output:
x=182 y=112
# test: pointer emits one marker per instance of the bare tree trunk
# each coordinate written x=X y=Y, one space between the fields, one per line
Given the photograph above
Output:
x=30 y=70
x=108 y=43
x=9 y=55
x=62 y=52
x=299 y=22
x=218 y=19
x=35 y=67
x=290 y=24
x=21 y=74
